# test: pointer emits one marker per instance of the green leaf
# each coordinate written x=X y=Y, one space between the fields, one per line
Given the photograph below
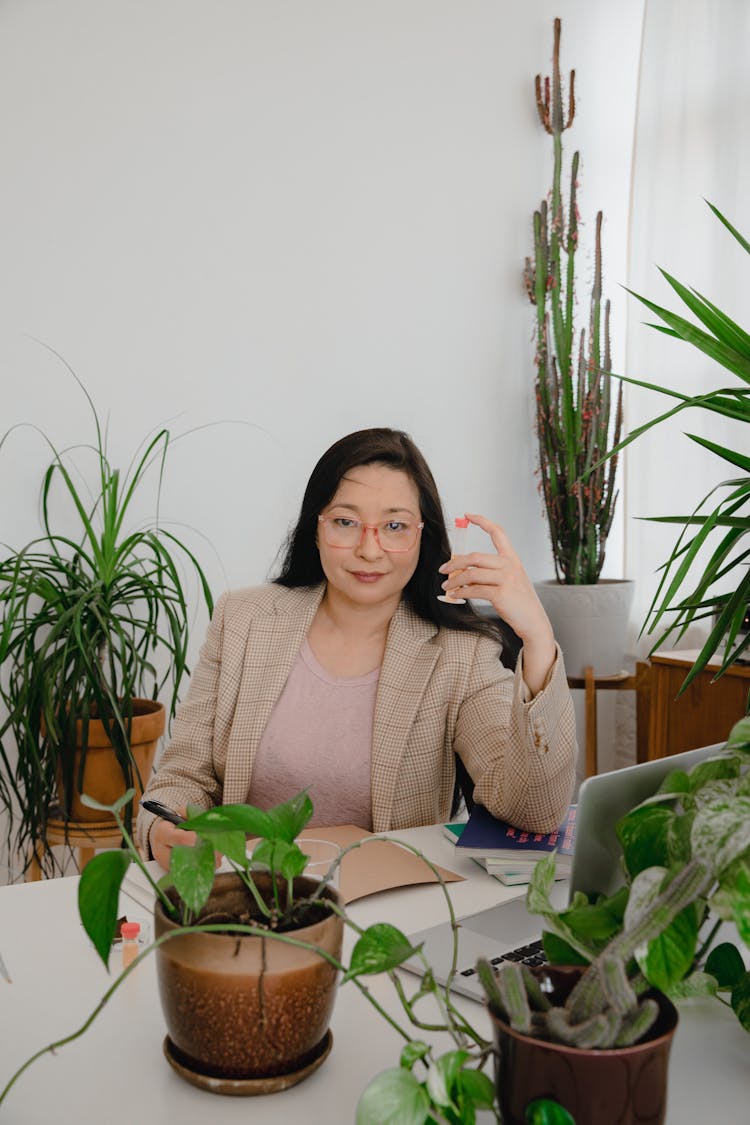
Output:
x=293 y=861
x=725 y=963
x=559 y=952
x=414 y=1050
x=380 y=948
x=715 y=349
x=741 y=902
x=734 y=881
x=741 y=1000
x=598 y=921
x=697 y=984
x=441 y=1078
x=120 y=803
x=475 y=1088
x=721 y=833
x=231 y=818
x=739 y=735
x=98 y=898
x=644 y=838
x=540 y=886
x=289 y=818
x=280 y=857
x=732 y=230
x=394 y=1097
x=676 y=782
x=670 y=956
x=193 y=870
x=543 y=1111
x=713 y=769
x=231 y=844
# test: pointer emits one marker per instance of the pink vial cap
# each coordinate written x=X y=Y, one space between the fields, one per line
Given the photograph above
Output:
x=459 y=522
x=130 y=930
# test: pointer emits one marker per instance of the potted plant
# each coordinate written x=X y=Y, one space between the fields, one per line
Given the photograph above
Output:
x=94 y=628
x=253 y=923
x=572 y=1033
x=692 y=589
x=578 y=417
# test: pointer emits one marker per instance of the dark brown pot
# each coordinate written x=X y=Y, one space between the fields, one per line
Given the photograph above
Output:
x=617 y=1086
x=102 y=775
x=247 y=1007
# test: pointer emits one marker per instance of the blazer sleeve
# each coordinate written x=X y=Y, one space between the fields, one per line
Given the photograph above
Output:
x=519 y=751
x=187 y=772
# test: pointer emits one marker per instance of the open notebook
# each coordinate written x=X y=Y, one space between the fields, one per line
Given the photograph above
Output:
x=378 y=865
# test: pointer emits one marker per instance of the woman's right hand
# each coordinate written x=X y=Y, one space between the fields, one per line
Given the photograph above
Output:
x=165 y=836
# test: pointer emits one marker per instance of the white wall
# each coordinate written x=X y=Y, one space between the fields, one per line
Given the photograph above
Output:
x=309 y=216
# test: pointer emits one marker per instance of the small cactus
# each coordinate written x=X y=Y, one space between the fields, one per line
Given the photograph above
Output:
x=606 y=1007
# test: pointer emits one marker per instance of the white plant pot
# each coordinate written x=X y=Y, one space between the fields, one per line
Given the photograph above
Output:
x=590 y=623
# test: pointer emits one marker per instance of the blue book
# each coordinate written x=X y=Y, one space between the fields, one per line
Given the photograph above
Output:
x=486 y=837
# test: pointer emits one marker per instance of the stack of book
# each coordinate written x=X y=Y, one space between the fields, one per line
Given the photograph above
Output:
x=510 y=853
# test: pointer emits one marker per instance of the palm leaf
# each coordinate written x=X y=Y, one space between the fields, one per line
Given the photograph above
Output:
x=732 y=230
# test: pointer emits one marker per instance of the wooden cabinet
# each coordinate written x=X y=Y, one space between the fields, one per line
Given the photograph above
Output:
x=703 y=714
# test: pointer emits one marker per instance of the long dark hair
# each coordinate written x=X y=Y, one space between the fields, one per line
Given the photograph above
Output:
x=301 y=562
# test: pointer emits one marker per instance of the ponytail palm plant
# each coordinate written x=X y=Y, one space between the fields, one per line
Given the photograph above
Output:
x=94 y=614
x=691 y=589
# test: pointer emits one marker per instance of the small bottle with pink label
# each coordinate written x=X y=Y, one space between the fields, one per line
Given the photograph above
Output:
x=458 y=547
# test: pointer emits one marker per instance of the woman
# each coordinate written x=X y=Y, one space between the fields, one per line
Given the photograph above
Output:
x=349 y=676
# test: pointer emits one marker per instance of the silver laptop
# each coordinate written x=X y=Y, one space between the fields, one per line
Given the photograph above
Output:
x=508 y=928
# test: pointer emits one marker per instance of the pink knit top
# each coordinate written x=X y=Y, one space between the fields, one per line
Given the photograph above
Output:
x=319 y=736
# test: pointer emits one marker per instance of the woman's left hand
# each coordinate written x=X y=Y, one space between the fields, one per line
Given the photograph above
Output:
x=500 y=579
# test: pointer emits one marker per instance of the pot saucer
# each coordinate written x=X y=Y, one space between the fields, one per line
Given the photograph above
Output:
x=246 y=1087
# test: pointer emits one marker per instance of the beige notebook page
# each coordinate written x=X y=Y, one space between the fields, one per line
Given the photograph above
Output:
x=378 y=865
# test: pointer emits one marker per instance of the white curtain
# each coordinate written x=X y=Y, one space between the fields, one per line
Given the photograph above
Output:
x=691 y=145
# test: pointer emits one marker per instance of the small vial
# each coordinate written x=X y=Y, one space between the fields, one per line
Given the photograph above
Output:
x=458 y=547
x=130 y=932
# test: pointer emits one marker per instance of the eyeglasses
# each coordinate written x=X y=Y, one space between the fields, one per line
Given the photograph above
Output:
x=392 y=535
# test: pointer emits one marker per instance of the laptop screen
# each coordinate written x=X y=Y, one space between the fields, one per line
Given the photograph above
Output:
x=602 y=801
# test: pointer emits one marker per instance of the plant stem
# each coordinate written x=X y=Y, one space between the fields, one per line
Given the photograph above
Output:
x=136 y=858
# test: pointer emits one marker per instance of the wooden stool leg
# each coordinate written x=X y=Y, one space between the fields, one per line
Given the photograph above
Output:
x=85 y=855
x=34 y=870
x=591 y=735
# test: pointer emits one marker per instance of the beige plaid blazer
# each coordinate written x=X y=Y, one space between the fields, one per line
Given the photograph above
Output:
x=440 y=691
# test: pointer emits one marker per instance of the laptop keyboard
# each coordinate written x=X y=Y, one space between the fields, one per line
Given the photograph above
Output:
x=532 y=954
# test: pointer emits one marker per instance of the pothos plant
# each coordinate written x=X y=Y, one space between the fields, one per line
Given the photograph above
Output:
x=426 y=1087
x=686 y=858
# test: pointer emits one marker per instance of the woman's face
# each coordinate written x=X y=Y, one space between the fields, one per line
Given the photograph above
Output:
x=366 y=574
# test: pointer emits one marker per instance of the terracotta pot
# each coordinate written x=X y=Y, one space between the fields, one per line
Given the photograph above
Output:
x=247 y=1007
x=102 y=775
x=617 y=1086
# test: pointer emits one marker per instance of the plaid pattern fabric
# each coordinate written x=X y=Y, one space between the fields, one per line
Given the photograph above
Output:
x=440 y=691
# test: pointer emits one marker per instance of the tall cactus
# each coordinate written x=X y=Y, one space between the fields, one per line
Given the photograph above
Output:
x=575 y=412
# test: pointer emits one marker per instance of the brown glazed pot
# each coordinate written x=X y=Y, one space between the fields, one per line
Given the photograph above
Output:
x=102 y=776
x=244 y=1007
x=616 y=1086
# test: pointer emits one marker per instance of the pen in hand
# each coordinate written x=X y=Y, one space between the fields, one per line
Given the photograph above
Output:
x=162 y=811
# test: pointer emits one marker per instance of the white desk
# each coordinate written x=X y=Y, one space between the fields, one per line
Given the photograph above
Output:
x=116 y=1073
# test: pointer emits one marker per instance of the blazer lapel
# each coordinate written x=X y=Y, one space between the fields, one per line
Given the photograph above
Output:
x=272 y=647
x=407 y=667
